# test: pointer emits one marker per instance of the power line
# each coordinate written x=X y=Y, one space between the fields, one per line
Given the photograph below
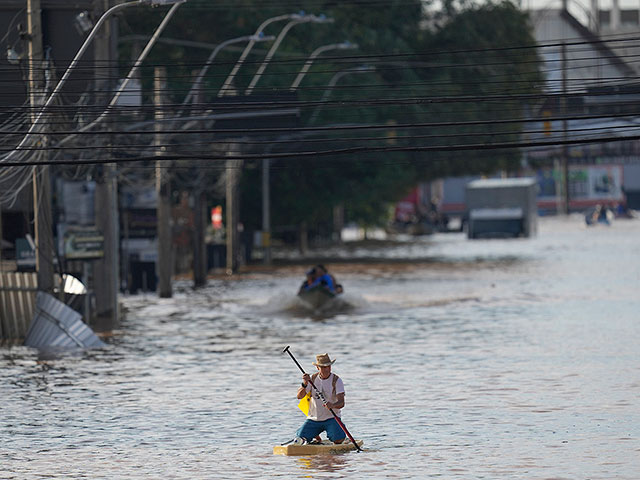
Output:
x=385 y=138
x=330 y=128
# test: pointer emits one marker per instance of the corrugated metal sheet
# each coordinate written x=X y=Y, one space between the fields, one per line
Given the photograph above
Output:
x=55 y=325
x=17 y=300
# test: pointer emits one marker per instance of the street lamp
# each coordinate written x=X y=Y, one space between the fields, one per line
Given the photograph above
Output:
x=332 y=84
x=79 y=55
x=276 y=44
x=307 y=65
x=266 y=188
x=226 y=86
x=266 y=162
x=214 y=53
x=83 y=22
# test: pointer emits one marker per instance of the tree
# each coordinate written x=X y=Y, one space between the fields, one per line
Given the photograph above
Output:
x=461 y=64
x=487 y=63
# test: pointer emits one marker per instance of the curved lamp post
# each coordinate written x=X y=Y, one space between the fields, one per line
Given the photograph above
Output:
x=332 y=84
x=138 y=62
x=266 y=162
x=314 y=55
x=276 y=44
x=56 y=91
x=266 y=190
x=214 y=53
x=226 y=86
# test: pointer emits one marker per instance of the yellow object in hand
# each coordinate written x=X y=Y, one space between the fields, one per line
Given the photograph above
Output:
x=304 y=404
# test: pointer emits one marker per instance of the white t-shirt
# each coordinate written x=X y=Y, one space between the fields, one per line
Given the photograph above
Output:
x=317 y=411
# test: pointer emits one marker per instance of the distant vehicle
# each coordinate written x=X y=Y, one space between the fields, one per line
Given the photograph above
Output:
x=501 y=207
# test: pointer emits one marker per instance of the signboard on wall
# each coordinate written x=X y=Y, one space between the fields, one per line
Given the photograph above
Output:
x=83 y=243
x=588 y=185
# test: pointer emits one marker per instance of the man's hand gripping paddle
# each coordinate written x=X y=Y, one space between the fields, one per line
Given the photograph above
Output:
x=342 y=426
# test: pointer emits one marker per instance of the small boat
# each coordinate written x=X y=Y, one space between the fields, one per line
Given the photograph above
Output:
x=316 y=298
x=326 y=447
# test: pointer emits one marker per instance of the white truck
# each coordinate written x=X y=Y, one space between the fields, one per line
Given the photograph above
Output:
x=501 y=207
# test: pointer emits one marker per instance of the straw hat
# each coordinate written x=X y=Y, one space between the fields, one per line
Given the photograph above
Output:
x=323 y=360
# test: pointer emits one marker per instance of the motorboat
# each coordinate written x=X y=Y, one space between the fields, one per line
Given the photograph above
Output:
x=317 y=298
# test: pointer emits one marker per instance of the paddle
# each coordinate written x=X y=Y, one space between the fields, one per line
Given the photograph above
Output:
x=342 y=426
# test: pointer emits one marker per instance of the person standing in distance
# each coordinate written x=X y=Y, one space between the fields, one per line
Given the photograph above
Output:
x=320 y=418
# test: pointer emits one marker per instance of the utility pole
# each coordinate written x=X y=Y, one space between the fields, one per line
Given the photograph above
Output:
x=1 y=264
x=106 y=273
x=266 y=211
x=200 y=209
x=232 y=168
x=164 y=264
x=199 y=245
x=41 y=178
x=565 y=147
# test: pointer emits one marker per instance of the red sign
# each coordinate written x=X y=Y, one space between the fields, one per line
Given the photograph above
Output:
x=216 y=217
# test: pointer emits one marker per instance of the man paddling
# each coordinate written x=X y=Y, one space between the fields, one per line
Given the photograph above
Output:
x=327 y=394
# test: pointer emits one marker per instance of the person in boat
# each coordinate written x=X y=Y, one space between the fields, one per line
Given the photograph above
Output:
x=320 y=419
x=337 y=288
x=318 y=276
x=324 y=279
x=309 y=280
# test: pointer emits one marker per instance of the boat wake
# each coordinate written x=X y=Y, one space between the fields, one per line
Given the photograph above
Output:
x=298 y=307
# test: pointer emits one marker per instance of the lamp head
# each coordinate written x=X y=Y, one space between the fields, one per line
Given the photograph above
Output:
x=83 y=22
x=322 y=18
x=347 y=45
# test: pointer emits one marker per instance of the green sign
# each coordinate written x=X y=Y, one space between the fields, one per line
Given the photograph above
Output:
x=83 y=243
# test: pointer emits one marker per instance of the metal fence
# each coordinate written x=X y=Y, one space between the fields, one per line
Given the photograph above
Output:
x=17 y=302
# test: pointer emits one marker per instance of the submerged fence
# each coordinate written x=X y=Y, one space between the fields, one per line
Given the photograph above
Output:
x=17 y=302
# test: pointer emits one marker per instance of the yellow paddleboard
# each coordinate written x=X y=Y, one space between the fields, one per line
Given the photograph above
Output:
x=326 y=447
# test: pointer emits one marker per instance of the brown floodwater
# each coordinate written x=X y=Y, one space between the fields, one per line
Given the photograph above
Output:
x=494 y=359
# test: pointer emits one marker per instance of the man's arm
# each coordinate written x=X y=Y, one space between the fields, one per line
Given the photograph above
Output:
x=338 y=404
x=301 y=392
x=302 y=389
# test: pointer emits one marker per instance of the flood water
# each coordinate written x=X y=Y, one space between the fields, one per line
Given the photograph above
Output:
x=494 y=359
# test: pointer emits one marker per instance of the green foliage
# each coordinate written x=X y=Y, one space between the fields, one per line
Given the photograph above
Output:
x=472 y=67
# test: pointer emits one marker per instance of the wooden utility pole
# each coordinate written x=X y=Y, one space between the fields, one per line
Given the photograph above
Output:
x=164 y=264
x=41 y=179
x=34 y=49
